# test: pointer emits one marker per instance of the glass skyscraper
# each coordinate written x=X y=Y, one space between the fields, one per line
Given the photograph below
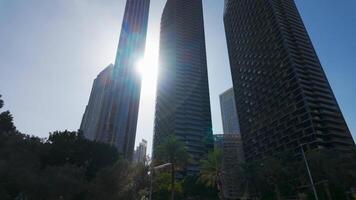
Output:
x=140 y=153
x=282 y=94
x=117 y=119
x=183 y=104
x=229 y=116
x=101 y=88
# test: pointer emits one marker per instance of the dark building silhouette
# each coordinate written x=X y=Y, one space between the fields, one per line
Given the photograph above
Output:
x=282 y=94
x=117 y=119
x=183 y=104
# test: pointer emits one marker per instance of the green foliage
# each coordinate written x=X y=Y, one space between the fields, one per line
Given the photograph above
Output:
x=188 y=188
x=72 y=147
x=275 y=177
x=66 y=166
x=6 y=120
x=162 y=187
x=25 y=172
x=120 y=181
x=171 y=150
x=193 y=189
x=208 y=140
x=67 y=182
x=285 y=175
x=210 y=169
x=334 y=170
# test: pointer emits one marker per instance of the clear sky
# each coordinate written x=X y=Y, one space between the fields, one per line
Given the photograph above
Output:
x=51 y=51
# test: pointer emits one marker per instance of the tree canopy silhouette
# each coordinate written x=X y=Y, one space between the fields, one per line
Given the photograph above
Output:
x=6 y=119
x=63 y=166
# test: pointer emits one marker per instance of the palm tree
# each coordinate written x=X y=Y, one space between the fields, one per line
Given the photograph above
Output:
x=172 y=151
x=211 y=170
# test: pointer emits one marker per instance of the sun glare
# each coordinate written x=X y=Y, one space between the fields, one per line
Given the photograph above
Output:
x=147 y=67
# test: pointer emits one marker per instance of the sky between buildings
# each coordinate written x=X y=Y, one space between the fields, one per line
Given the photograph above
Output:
x=51 y=51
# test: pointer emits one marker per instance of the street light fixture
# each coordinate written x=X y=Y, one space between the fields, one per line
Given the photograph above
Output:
x=309 y=172
x=152 y=169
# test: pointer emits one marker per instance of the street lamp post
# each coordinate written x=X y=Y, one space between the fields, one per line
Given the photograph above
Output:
x=309 y=172
x=152 y=170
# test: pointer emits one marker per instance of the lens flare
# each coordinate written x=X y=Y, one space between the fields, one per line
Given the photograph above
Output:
x=147 y=68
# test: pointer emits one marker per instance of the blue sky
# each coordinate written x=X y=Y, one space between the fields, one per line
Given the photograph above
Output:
x=50 y=52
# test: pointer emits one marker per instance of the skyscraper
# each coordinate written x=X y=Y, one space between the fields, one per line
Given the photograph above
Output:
x=183 y=104
x=140 y=152
x=118 y=116
x=101 y=88
x=229 y=116
x=282 y=95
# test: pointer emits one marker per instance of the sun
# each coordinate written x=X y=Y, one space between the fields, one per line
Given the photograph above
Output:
x=147 y=67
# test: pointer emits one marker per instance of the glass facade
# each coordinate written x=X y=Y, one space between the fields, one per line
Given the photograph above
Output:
x=117 y=121
x=140 y=153
x=282 y=95
x=183 y=104
x=101 y=87
x=229 y=116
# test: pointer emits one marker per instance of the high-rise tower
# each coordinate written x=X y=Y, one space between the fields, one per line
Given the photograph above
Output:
x=101 y=88
x=284 y=98
x=229 y=116
x=183 y=104
x=117 y=119
x=140 y=153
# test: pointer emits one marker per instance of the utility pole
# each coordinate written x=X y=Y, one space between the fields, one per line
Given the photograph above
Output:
x=309 y=173
x=151 y=183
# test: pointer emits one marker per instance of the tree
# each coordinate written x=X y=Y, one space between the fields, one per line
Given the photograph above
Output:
x=61 y=167
x=211 y=170
x=140 y=181
x=272 y=170
x=60 y=182
x=333 y=172
x=172 y=151
x=123 y=180
x=162 y=186
x=193 y=189
x=273 y=177
x=1 y=102
x=6 y=120
x=64 y=166
x=70 y=147
x=285 y=176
